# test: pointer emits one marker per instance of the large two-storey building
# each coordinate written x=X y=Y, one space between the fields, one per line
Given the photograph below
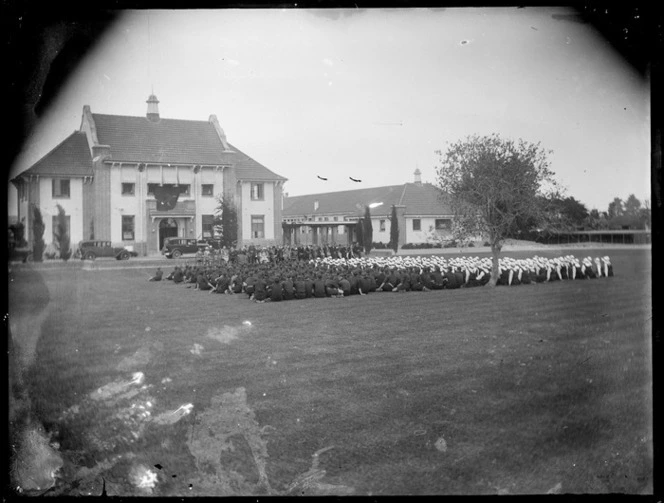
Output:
x=137 y=180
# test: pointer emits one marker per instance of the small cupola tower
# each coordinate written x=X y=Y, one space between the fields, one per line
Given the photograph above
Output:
x=418 y=176
x=153 y=108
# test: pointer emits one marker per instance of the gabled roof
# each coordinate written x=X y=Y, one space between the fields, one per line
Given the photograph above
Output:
x=69 y=158
x=419 y=199
x=177 y=141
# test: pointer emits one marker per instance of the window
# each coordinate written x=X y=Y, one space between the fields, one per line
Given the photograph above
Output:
x=185 y=189
x=336 y=219
x=257 y=193
x=128 y=189
x=127 y=227
x=55 y=223
x=417 y=224
x=443 y=224
x=208 y=226
x=207 y=189
x=382 y=226
x=60 y=188
x=257 y=226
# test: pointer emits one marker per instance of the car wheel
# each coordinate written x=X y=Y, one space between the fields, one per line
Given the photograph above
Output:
x=90 y=256
x=124 y=255
x=176 y=253
x=29 y=258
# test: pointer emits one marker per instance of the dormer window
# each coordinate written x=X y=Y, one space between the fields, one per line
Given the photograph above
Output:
x=315 y=205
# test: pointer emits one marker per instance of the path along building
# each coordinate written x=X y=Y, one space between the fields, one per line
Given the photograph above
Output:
x=137 y=180
x=330 y=218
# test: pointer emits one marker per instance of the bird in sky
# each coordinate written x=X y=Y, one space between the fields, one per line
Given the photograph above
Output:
x=354 y=179
x=322 y=178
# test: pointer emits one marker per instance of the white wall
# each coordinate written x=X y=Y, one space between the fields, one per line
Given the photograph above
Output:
x=73 y=206
x=264 y=207
x=124 y=205
x=378 y=236
x=206 y=205
x=419 y=236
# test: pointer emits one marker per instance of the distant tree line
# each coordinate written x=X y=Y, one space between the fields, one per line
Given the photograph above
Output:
x=568 y=214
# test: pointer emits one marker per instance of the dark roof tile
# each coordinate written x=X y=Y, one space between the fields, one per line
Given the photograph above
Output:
x=177 y=141
x=422 y=199
x=69 y=158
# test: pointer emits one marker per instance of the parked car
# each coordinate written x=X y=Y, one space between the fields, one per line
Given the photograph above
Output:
x=20 y=254
x=176 y=247
x=91 y=250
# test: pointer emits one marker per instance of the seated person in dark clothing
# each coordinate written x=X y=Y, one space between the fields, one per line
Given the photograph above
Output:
x=202 y=283
x=308 y=287
x=276 y=292
x=451 y=280
x=460 y=276
x=288 y=289
x=438 y=279
x=365 y=285
x=250 y=285
x=344 y=286
x=222 y=284
x=157 y=275
x=299 y=286
x=404 y=283
x=319 y=287
x=332 y=288
x=260 y=290
x=178 y=275
x=236 y=284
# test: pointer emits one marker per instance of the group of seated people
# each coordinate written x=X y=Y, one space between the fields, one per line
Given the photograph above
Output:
x=329 y=277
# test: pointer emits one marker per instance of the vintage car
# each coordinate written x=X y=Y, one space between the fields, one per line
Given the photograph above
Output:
x=176 y=247
x=93 y=249
x=17 y=254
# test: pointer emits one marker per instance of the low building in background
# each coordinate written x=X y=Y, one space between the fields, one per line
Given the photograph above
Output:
x=330 y=218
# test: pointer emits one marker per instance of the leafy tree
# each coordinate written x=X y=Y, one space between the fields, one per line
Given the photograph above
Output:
x=62 y=234
x=394 y=230
x=367 y=231
x=632 y=206
x=38 y=235
x=493 y=184
x=225 y=222
x=567 y=213
x=615 y=208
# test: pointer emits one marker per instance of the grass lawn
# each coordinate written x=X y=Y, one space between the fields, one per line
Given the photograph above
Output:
x=510 y=390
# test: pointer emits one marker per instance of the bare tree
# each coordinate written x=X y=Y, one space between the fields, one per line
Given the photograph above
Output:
x=495 y=185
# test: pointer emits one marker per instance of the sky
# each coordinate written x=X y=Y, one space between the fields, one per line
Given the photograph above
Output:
x=372 y=94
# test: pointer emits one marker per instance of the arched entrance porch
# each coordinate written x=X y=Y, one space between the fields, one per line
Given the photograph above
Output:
x=168 y=228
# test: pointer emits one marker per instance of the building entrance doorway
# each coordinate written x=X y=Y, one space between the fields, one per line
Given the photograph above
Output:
x=168 y=228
